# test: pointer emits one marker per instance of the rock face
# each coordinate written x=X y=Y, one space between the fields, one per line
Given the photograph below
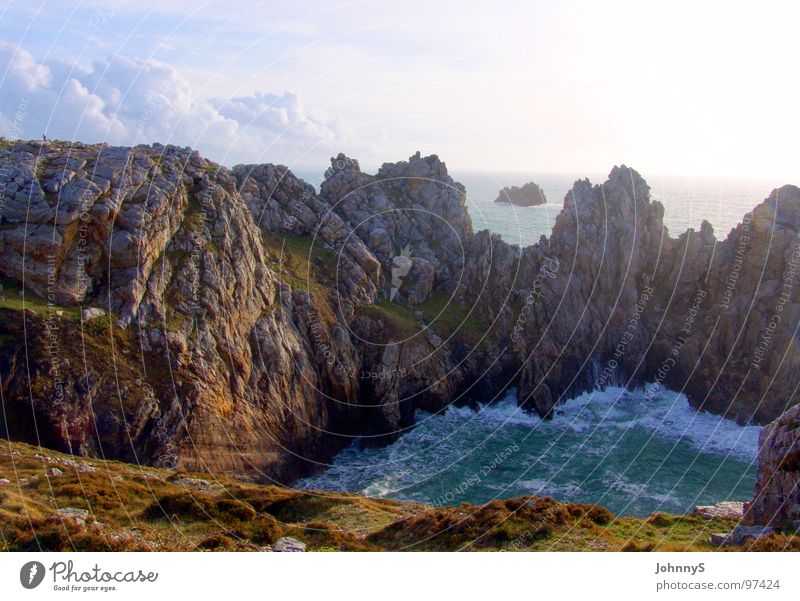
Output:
x=255 y=326
x=777 y=497
x=529 y=195
x=412 y=217
x=611 y=299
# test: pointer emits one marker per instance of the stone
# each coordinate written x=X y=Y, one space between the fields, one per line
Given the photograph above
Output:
x=727 y=510
x=54 y=471
x=4 y=481
x=79 y=516
x=197 y=483
x=92 y=313
x=740 y=535
x=718 y=538
x=287 y=544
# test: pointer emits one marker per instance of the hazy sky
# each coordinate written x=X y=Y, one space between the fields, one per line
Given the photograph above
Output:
x=568 y=86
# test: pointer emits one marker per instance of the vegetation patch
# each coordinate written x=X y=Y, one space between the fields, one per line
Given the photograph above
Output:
x=12 y=299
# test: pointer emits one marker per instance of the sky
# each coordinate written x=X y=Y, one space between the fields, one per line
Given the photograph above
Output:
x=683 y=88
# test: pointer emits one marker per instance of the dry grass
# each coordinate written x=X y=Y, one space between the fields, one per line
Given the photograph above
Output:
x=132 y=508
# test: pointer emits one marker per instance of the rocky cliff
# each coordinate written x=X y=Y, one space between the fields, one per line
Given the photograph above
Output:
x=777 y=498
x=256 y=326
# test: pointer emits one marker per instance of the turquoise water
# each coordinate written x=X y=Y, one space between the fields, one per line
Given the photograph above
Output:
x=621 y=449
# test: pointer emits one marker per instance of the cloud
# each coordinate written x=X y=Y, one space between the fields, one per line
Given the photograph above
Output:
x=123 y=100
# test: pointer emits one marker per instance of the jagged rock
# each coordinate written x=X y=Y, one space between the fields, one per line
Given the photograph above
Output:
x=777 y=493
x=287 y=544
x=418 y=284
x=54 y=471
x=409 y=211
x=529 y=195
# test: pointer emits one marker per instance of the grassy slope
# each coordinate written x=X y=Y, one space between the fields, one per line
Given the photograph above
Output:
x=142 y=508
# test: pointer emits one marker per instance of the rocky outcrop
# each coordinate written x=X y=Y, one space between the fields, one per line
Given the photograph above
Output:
x=611 y=299
x=256 y=326
x=215 y=365
x=529 y=195
x=235 y=337
x=411 y=215
x=777 y=496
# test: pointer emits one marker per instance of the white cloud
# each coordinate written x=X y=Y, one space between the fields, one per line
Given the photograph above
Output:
x=122 y=100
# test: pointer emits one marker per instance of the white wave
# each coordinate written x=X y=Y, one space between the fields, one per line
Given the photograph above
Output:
x=673 y=418
x=666 y=414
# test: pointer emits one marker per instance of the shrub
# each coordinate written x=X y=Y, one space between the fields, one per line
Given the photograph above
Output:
x=636 y=547
x=265 y=530
x=660 y=520
x=231 y=509
x=217 y=542
x=180 y=506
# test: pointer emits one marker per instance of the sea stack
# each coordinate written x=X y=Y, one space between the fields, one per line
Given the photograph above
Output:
x=529 y=195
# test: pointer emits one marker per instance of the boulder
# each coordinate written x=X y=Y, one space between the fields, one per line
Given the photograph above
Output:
x=73 y=514
x=287 y=544
x=740 y=535
x=91 y=313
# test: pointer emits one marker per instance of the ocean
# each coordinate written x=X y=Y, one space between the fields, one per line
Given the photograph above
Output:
x=627 y=451
x=633 y=452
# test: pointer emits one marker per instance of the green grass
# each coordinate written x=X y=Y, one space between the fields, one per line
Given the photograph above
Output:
x=304 y=265
x=10 y=299
x=447 y=315
x=442 y=315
